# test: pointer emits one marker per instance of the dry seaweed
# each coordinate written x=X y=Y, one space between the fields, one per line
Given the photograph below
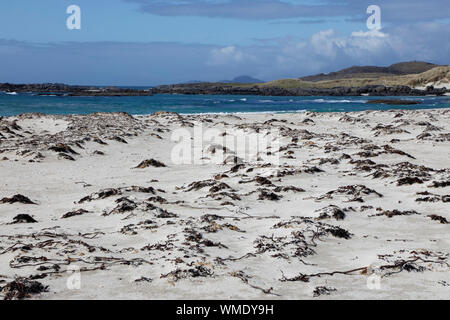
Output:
x=18 y=198
x=267 y=195
x=23 y=218
x=440 y=184
x=62 y=148
x=78 y=212
x=196 y=272
x=22 y=288
x=435 y=217
x=321 y=290
x=331 y=211
x=409 y=181
x=395 y=212
x=150 y=163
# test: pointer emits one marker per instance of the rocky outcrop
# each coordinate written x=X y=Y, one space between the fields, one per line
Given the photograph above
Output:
x=394 y=102
x=220 y=89
x=371 y=90
x=67 y=90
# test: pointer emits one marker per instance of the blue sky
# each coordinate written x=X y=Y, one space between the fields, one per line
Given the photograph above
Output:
x=149 y=42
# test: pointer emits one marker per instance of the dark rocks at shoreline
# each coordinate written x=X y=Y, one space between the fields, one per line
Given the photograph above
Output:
x=394 y=102
x=223 y=89
x=112 y=93
x=63 y=90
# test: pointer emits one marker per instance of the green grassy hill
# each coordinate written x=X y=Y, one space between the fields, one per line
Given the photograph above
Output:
x=398 y=69
x=437 y=74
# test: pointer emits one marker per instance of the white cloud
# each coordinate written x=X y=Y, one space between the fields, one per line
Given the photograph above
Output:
x=369 y=34
x=164 y=62
x=324 y=51
x=324 y=43
x=328 y=50
x=226 y=55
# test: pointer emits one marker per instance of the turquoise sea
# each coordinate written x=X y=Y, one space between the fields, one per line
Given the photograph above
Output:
x=14 y=104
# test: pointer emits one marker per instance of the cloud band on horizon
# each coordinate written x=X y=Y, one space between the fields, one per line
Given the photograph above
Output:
x=394 y=11
x=154 y=63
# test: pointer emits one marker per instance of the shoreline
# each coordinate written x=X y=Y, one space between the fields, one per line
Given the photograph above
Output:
x=378 y=90
x=188 y=104
x=289 y=112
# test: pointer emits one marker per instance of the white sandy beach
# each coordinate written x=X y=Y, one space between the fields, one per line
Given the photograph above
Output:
x=358 y=207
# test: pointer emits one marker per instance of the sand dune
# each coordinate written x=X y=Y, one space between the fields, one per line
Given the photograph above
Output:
x=334 y=206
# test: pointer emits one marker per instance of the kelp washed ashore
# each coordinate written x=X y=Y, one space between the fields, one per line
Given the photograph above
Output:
x=357 y=206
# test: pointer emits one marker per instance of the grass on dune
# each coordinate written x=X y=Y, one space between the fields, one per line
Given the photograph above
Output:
x=438 y=74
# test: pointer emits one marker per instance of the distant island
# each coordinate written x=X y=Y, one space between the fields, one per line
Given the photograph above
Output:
x=240 y=79
x=243 y=79
x=413 y=78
